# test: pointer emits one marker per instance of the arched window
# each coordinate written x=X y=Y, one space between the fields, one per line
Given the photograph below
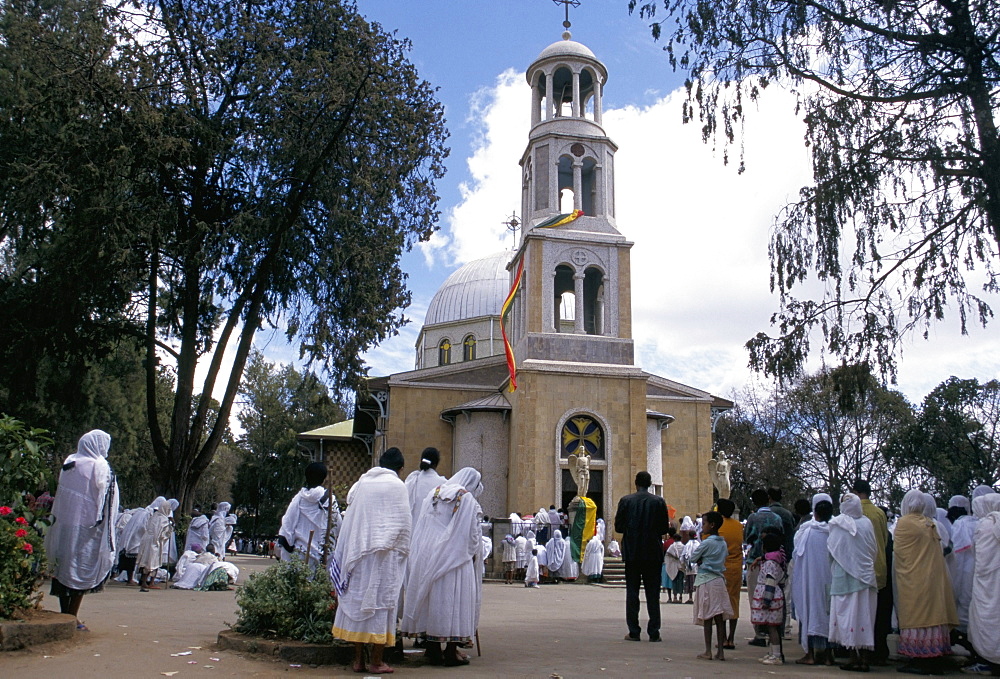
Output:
x=469 y=348
x=444 y=352
x=565 y=300
x=585 y=430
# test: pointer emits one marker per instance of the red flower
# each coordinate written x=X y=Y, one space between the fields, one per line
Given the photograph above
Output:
x=21 y=533
x=21 y=520
x=4 y=511
x=28 y=548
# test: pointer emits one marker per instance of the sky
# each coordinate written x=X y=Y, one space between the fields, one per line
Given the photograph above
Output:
x=700 y=271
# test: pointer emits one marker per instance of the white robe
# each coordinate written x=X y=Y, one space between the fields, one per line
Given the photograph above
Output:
x=80 y=544
x=521 y=545
x=309 y=512
x=369 y=562
x=531 y=572
x=811 y=584
x=984 y=609
x=569 y=570
x=419 y=484
x=593 y=557
x=154 y=539
x=962 y=564
x=442 y=594
x=217 y=530
x=197 y=534
x=556 y=552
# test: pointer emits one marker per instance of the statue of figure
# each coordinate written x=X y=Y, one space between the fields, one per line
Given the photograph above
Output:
x=579 y=467
x=718 y=469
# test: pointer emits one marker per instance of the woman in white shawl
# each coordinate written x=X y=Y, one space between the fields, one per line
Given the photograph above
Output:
x=853 y=590
x=311 y=513
x=80 y=543
x=593 y=558
x=569 y=570
x=543 y=527
x=984 y=611
x=555 y=552
x=421 y=482
x=197 y=533
x=217 y=529
x=811 y=585
x=154 y=539
x=443 y=590
x=961 y=564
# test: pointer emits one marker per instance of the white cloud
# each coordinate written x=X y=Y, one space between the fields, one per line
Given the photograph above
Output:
x=700 y=271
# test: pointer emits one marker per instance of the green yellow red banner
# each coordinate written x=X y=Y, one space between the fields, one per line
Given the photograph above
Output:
x=557 y=220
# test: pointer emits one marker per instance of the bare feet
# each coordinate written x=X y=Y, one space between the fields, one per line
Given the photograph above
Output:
x=720 y=656
x=381 y=669
x=359 y=667
x=807 y=659
x=705 y=656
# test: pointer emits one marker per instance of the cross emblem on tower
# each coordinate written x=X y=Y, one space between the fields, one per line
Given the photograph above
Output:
x=567 y=4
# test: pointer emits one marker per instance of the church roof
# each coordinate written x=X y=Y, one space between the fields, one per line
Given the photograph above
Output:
x=493 y=402
x=568 y=48
x=343 y=429
x=474 y=290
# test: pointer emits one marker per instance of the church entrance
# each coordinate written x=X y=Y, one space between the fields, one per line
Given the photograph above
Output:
x=595 y=492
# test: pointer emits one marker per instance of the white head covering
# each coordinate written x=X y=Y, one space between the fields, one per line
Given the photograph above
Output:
x=222 y=509
x=982 y=490
x=820 y=497
x=930 y=506
x=468 y=478
x=960 y=501
x=687 y=524
x=542 y=517
x=802 y=534
x=174 y=504
x=985 y=504
x=913 y=502
x=556 y=550
x=852 y=540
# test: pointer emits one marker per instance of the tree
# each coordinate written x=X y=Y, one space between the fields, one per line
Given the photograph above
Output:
x=753 y=436
x=840 y=421
x=187 y=172
x=899 y=100
x=280 y=403
x=955 y=439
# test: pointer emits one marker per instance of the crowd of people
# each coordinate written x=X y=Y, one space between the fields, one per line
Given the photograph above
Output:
x=414 y=553
x=850 y=578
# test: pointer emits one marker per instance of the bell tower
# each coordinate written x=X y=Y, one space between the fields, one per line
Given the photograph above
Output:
x=575 y=301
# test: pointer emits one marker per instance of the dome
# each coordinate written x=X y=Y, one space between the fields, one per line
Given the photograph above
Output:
x=474 y=290
x=566 y=48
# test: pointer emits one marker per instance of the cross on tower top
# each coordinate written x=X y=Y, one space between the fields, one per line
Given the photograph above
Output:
x=567 y=4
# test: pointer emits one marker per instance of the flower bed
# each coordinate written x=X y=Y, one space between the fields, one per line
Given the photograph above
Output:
x=22 y=564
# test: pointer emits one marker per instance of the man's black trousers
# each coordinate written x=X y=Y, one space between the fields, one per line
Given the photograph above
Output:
x=647 y=573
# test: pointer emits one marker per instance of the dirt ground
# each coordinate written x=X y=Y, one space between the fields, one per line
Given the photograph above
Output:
x=566 y=630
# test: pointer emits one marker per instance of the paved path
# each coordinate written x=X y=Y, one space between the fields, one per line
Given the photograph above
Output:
x=563 y=630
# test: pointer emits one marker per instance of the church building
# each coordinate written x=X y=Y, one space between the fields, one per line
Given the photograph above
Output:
x=570 y=328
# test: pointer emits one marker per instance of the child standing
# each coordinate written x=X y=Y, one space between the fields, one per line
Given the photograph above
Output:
x=711 y=598
x=767 y=608
x=531 y=572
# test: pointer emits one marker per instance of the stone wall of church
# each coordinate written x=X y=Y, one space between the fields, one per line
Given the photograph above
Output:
x=687 y=448
x=545 y=398
x=481 y=441
x=415 y=422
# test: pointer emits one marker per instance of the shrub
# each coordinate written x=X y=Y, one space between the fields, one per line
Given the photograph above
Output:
x=22 y=564
x=24 y=466
x=288 y=600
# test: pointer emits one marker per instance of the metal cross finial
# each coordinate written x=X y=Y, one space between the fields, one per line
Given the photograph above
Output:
x=513 y=224
x=567 y=4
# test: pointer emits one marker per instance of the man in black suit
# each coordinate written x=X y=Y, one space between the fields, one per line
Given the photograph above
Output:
x=642 y=520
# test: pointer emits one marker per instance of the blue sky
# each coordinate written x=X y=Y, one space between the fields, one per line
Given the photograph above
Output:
x=700 y=268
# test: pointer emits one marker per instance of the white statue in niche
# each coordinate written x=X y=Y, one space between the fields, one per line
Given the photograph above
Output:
x=718 y=470
x=579 y=467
